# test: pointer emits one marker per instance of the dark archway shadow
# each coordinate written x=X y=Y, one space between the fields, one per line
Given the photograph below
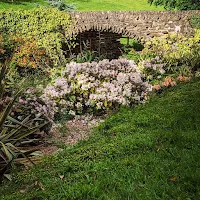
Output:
x=102 y=44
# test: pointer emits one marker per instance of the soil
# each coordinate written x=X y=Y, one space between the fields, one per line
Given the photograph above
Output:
x=70 y=132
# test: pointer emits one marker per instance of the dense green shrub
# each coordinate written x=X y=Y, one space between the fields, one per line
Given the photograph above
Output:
x=195 y=21
x=38 y=32
x=177 y=4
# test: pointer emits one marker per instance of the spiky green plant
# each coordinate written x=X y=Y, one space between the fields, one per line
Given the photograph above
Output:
x=14 y=133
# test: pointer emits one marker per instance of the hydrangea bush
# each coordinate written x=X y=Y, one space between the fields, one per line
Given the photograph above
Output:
x=95 y=87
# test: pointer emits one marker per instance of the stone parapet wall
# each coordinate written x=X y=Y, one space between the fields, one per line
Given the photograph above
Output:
x=135 y=24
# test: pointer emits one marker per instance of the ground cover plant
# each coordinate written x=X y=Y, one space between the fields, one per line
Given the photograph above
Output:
x=150 y=152
x=89 y=5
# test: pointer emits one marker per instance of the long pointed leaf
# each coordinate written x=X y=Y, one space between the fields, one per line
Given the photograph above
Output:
x=8 y=176
x=23 y=154
x=16 y=121
x=2 y=72
x=2 y=76
x=7 y=110
x=3 y=131
x=10 y=134
x=29 y=132
x=7 y=152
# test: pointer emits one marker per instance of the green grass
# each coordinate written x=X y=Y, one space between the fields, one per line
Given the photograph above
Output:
x=88 y=5
x=151 y=152
x=24 y=4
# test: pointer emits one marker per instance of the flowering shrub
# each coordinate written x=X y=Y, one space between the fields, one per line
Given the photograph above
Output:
x=183 y=78
x=153 y=69
x=181 y=54
x=29 y=106
x=34 y=105
x=168 y=82
x=97 y=86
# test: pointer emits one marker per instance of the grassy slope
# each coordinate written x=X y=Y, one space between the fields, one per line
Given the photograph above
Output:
x=89 y=5
x=147 y=153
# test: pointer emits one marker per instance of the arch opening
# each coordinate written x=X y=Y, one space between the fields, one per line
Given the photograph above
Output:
x=101 y=44
x=96 y=45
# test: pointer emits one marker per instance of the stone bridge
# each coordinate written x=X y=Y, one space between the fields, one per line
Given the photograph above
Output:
x=102 y=29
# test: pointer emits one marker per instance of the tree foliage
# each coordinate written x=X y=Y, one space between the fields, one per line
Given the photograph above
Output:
x=177 y=4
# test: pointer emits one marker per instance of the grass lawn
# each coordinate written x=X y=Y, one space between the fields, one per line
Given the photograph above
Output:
x=151 y=152
x=87 y=5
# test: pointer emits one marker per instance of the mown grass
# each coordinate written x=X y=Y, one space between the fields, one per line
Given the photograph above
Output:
x=21 y=4
x=150 y=152
x=86 y=5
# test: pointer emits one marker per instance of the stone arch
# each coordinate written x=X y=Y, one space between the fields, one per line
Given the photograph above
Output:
x=134 y=24
x=102 y=22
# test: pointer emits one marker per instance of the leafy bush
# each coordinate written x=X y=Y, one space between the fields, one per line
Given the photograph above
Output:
x=61 y=5
x=181 y=54
x=195 y=21
x=96 y=86
x=38 y=32
x=177 y=4
x=28 y=55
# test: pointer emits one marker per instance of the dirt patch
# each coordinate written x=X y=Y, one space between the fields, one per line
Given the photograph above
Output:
x=71 y=132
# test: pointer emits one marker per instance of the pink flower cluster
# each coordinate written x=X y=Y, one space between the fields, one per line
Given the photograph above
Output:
x=97 y=86
x=30 y=109
x=35 y=105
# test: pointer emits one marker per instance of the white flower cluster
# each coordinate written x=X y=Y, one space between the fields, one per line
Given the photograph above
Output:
x=152 y=69
x=97 y=86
